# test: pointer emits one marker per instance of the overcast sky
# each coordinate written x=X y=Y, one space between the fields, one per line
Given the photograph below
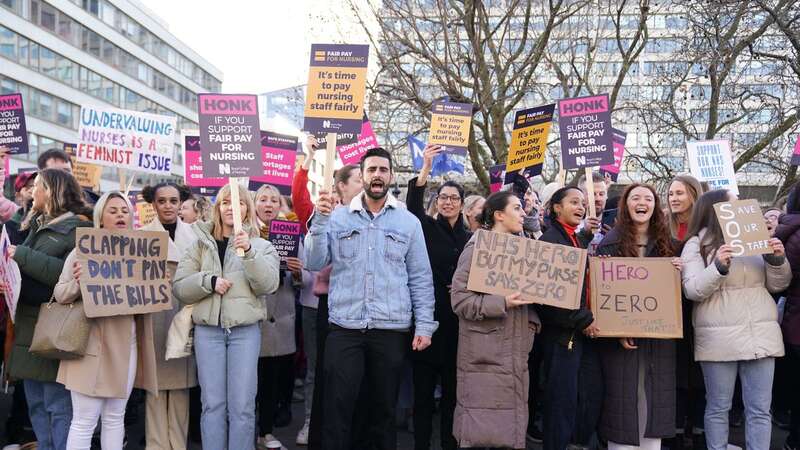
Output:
x=260 y=46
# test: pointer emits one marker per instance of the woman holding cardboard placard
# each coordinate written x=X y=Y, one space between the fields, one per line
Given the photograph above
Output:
x=167 y=414
x=120 y=353
x=226 y=291
x=638 y=414
x=573 y=380
x=495 y=336
x=735 y=322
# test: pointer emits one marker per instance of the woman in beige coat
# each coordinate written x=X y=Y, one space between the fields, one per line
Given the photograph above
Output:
x=494 y=339
x=167 y=414
x=118 y=357
x=735 y=322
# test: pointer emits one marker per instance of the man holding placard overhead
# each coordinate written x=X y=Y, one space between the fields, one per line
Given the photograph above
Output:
x=380 y=281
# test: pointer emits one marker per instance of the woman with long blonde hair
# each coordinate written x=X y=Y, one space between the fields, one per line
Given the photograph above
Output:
x=227 y=291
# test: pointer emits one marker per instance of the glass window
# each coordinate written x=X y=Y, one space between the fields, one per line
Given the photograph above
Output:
x=13 y=5
x=8 y=43
x=47 y=62
x=93 y=6
x=24 y=45
x=67 y=29
x=34 y=58
x=46 y=105
x=64 y=116
x=8 y=86
x=109 y=53
x=48 y=17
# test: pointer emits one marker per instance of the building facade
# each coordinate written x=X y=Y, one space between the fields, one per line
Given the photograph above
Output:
x=61 y=54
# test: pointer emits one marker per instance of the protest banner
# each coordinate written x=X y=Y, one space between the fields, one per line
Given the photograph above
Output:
x=9 y=275
x=13 y=132
x=796 y=154
x=529 y=138
x=337 y=78
x=548 y=274
x=619 y=137
x=711 y=161
x=450 y=126
x=285 y=237
x=496 y=176
x=193 y=167
x=278 y=155
x=230 y=141
x=352 y=153
x=123 y=272
x=88 y=175
x=127 y=140
x=143 y=212
x=585 y=127
x=744 y=227
x=636 y=297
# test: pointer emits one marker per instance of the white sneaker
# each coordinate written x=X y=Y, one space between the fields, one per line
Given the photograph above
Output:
x=302 y=435
x=269 y=442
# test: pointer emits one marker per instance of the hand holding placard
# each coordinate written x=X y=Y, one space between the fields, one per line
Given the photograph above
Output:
x=744 y=227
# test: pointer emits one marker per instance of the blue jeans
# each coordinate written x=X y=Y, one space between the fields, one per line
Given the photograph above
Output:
x=720 y=379
x=50 y=409
x=227 y=368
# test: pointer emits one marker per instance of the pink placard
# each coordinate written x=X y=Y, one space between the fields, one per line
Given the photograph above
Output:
x=796 y=154
x=352 y=153
x=278 y=155
x=193 y=165
x=619 y=138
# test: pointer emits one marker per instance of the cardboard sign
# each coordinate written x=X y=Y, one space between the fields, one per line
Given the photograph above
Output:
x=193 y=166
x=143 y=212
x=13 y=133
x=352 y=153
x=619 y=138
x=10 y=275
x=585 y=126
x=285 y=237
x=549 y=274
x=125 y=139
x=450 y=124
x=529 y=137
x=229 y=135
x=337 y=79
x=123 y=272
x=636 y=297
x=88 y=175
x=278 y=155
x=711 y=161
x=796 y=154
x=744 y=227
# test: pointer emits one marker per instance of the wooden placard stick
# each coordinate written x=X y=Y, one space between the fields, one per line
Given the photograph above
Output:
x=330 y=161
x=590 y=191
x=237 y=210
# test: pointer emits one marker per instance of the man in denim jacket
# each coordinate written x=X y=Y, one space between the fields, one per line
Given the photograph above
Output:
x=381 y=280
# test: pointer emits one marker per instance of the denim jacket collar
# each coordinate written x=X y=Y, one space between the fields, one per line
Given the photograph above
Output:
x=357 y=203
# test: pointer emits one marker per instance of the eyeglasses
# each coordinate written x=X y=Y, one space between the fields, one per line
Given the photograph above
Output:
x=451 y=198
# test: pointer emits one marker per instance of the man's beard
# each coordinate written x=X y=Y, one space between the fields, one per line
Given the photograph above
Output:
x=379 y=195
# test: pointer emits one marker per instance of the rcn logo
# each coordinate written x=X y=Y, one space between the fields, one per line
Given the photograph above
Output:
x=326 y=124
x=580 y=160
x=225 y=169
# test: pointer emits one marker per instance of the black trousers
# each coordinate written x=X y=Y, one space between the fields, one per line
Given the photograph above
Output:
x=272 y=372
x=352 y=356
x=426 y=374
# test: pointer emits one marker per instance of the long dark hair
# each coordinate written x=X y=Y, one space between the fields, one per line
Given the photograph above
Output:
x=66 y=195
x=704 y=217
x=657 y=230
x=556 y=199
x=495 y=202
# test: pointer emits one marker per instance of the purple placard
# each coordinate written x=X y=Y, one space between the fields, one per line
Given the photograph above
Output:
x=352 y=153
x=335 y=89
x=796 y=154
x=285 y=237
x=496 y=176
x=450 y=123
x=193 y=169
x=13 y=133
x=229 y=135
x=612 y=170
x=279 y=153
x=585 y=125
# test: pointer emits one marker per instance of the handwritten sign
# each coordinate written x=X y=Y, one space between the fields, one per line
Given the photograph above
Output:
x=229 y=135
x=585 y=126
x=619 y=138
x=744 y=227
x=13 y=133
x=87 y=175
x=278 y=155
x=125 y=139
x=636 y=297
x=285 y=237
x=123 y=272
x=193 y=166
x=711 y=161
x=10 y=275
x=352 y=153
x=549 y=274
x=337 y=78
x=143 y=212
x=450 y=124
x=529 y=138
